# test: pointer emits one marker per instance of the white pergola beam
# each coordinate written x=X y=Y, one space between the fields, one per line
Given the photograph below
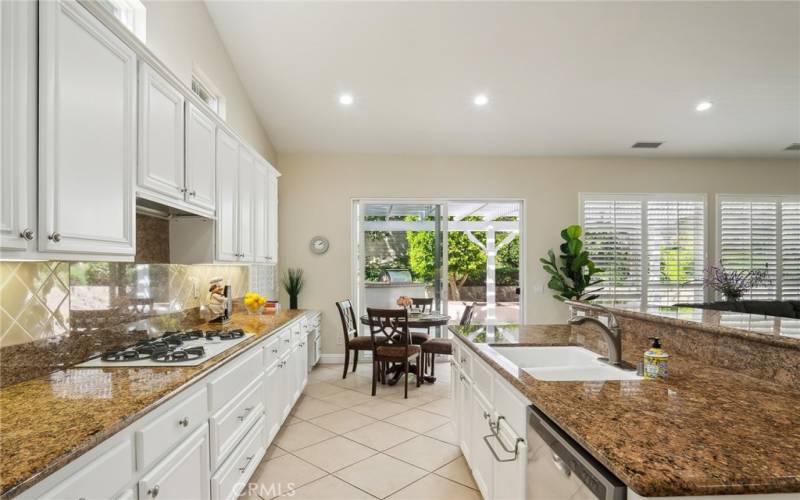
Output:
x=401 y=225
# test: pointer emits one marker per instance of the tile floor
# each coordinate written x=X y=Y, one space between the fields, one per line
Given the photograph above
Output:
x=340 y=443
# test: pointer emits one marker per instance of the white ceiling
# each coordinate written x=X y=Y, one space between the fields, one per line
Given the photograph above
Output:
x=563 y=78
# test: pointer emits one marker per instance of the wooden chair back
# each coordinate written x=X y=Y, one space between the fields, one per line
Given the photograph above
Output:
x=388 y=326
x=422 y=304
x=466 y=316
x=348 y=317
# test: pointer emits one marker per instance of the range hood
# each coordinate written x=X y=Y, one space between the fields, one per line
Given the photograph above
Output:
x=158 y=210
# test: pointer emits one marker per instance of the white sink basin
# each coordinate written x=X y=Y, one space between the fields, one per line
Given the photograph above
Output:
x=566 y=363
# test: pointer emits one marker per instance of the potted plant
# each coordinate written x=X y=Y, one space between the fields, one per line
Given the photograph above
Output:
x=733 y=284
x=293 y=284
x=573 y=273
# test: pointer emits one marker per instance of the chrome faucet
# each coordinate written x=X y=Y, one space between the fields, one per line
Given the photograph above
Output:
x=611 y=334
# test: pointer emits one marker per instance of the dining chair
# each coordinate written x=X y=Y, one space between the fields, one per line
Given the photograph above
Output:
x=352 y=342
x=432 y=347
x=425 y=306
x=391 y=343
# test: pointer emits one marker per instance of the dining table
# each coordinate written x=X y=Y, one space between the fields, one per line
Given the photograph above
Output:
x=416 y=320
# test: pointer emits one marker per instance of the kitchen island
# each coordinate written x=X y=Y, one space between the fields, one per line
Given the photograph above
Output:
x=707 y=430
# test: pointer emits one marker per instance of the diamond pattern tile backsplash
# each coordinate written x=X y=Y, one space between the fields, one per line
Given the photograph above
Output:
x=46 y=300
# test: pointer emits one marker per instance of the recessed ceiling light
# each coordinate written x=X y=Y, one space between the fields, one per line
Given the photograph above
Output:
x=346 y=99
x=703 y=106
x=481 y=100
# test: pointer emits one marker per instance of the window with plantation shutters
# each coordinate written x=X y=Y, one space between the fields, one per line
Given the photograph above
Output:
x=762 y=233
x=651 y=247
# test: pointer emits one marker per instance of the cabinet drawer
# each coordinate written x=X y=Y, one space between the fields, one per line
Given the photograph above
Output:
x=232 y=476
x=181 y=474
x=511 y=405
x=166 y=431
x=271 y=352
x=297 y=332
x=465 y=360
x=482 y=376
x=232 y=421
x=102 y=478
x=284 y=341
x=225 y=386
x=457 y=353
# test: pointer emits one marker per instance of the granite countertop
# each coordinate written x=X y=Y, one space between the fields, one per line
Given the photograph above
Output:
x=704 y=431
x=47 y=422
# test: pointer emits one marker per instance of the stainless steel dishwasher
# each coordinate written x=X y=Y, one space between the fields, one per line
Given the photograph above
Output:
x=560 y=469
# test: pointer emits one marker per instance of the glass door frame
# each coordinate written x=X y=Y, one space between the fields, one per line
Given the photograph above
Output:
x=357 y=258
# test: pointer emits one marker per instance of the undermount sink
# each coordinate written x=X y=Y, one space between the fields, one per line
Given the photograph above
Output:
x=567 y=363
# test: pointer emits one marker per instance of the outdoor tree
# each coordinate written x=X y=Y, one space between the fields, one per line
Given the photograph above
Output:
x=464 y=257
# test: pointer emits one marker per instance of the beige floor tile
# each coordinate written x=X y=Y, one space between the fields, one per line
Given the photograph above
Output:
x=342 y=421
x=415 y=397
x=433 y=487
x=292 y=419
x=458 y=471
x=329 y=488
x=312 y=407
x=418 y=420
x=347 y=398
x=321 y=390
x=355 y=382
x=379 y=408
x=336 y=453
x=380 y=435
x=282 y=475
x=446 y=433
x=443 y=407
x=425 y=452
x=297 y=436
x=274 y=452
x=324 y=373
x=380 y=475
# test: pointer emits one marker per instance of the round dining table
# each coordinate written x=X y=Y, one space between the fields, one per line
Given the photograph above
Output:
x=416 y=320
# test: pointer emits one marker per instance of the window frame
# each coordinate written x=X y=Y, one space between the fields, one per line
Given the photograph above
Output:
x=779 y=199
x=137 y=23
x=208 y=85
x=644 y=198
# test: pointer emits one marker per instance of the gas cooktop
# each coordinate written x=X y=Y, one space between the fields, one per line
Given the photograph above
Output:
x=182 y=348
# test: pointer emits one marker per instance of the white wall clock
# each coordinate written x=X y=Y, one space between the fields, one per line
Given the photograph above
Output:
x=319 y=245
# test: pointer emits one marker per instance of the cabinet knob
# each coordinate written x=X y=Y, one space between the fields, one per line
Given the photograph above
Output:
x=26 y=234
x=193 y=193
x=184 y=422
x=275 y=351
x=154 y=491
x=182 y=190
x=485 y=415
x=56 y=237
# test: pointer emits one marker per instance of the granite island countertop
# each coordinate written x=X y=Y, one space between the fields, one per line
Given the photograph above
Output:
x=47 y=422
x=704 y=431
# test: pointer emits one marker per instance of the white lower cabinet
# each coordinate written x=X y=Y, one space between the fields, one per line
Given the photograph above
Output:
x=490 y=425
x=202 y=443
x=183 y=474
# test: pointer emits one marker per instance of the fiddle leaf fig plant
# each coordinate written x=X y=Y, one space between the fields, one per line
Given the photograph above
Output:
x=572 y=273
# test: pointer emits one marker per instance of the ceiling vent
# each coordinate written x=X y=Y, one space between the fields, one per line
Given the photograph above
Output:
x=793 y=147
x=646 y=145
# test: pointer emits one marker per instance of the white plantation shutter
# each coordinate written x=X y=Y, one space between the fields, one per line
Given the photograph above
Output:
x=790 y=250
x=675 y=251
x=748 y=239
x=613 y=238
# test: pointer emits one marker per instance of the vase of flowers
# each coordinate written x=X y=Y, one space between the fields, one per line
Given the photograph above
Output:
x=733 y=284
x=253 y=302
x=404 y=301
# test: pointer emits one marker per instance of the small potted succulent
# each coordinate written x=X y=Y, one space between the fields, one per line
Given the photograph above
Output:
x=733 y=284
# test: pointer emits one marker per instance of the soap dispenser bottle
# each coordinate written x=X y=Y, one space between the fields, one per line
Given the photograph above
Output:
x=655 y=361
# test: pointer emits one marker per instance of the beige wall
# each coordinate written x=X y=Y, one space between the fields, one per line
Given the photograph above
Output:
x=316 y=192
x=182 y=34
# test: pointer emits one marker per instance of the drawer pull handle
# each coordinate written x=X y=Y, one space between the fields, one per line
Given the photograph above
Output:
x=246 y=463
x=286 y=340
x=153 y=492
x=486 y=415
x=275 y=350
x=184 y=422
x=246 y=411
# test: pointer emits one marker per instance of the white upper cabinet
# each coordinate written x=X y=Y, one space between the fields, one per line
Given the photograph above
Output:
x=272 y=216
x=87 y=134
x=261 y=212
x=200 y=167
x=246 y=175
x=17 y=128
x=227 y=233
x=160 y=136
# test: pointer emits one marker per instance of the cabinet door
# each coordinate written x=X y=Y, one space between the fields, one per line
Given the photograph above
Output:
x=272 y=217
x=227 y=197
x=464 y=412
x=160 y=168
x=272 y=401
x=287 y=386
x=183 y=473
x=509 y=478
x=87 y=134
x=481 y=459
x=260 y=212
x=246 y=167
x=18 y=126
x=200 y=168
